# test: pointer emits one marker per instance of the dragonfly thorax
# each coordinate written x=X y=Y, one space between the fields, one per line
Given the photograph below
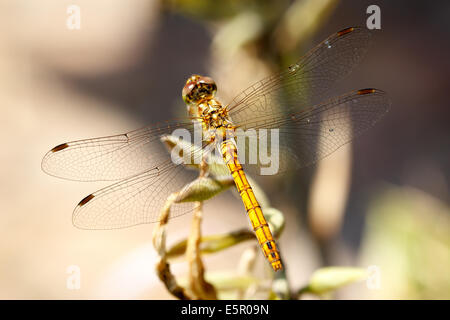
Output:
x=198 y=94
x=214 y=119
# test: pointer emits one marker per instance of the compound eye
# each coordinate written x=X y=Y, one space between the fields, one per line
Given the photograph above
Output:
x=208 y=84
x=188 y=88
x=198 y=87
x=207 y=81
x=187 y=92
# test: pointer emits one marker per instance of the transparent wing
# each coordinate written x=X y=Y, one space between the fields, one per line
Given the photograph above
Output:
x=136 y=200
x=140 y=198
x=315 y=132
x=151 y=173
x=305 y=83
x=114 y=157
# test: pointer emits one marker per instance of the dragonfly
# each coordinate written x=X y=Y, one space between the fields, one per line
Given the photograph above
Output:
x=310 y=126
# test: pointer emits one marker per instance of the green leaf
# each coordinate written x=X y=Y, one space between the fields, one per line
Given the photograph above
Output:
x=275 y=219
x=203 y=189
x=231 y=281
x=331 y=278
x=213 y=243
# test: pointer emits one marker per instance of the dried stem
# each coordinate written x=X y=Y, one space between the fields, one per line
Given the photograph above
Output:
x=199 y=288
x=159 y=242
x=197 y=283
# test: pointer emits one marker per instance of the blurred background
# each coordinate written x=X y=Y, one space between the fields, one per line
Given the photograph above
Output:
x=382 y=201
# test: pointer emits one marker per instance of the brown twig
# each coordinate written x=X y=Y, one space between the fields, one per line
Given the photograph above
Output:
x=197 y=283
x=159 y=242
x=199 y=288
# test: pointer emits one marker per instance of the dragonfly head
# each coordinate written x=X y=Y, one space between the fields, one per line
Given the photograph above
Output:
x=198 y=88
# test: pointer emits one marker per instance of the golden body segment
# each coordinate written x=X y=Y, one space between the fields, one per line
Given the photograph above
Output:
x=198 y=93
x=259 y=223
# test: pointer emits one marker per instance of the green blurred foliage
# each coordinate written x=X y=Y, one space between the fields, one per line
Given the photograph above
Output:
x=328 y=279
x=208 y=10
x=407 y=237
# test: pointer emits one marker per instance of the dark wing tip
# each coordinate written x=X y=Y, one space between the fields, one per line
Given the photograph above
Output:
x=345 y=31
x=60 y=147
x=48 y=155
x=86 y=200
x=367 y=91
x=378 y=92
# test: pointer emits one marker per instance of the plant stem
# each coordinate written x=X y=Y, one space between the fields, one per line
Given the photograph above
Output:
x=197 y=283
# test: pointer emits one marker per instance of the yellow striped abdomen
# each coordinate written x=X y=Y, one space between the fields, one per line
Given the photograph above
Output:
x=259 y=223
